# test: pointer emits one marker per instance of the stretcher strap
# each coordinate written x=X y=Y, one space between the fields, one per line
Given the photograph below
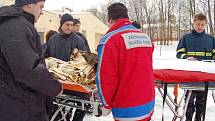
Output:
x=164 y=98
x=175 y=92
x=205 y=96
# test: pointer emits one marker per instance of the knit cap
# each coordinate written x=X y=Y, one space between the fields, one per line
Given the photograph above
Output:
x=64 y=18
x=20 y=3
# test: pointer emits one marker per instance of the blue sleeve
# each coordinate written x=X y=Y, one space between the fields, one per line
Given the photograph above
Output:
x=181 y=51
x=213 y=51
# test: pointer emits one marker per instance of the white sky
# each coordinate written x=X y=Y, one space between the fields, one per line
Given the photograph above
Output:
x=76 y=5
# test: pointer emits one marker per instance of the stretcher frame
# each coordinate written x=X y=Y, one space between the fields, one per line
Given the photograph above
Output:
x=182 y=71
x=68 y=101
x=174 y=107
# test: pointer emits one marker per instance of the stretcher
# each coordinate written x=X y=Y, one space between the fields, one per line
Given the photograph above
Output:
x=190 y=75
x=75 y=96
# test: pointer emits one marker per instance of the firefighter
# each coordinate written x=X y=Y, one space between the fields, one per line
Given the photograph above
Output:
x=194 y=46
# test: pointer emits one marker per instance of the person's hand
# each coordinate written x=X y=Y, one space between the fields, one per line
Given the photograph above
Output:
x=191 y=59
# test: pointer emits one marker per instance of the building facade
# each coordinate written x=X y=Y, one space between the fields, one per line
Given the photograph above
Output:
x=47 y=21
x=91 y=26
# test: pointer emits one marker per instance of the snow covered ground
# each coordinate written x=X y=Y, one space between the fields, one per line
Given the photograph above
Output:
x=164 y=52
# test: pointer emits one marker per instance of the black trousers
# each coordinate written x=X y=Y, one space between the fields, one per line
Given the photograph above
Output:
x=196 y=103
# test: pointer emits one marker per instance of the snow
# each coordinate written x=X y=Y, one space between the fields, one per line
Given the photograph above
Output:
x=165 y=52
x=184 y=64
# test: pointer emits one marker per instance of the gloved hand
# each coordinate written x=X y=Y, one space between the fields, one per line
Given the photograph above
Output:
x=103 y=111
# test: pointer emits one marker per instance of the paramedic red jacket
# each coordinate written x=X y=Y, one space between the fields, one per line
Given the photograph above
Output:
x=124 y=75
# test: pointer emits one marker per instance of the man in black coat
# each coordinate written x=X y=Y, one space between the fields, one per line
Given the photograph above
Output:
x=24 y=80
x=61 y=46
x=76 y=29
x=196 y=46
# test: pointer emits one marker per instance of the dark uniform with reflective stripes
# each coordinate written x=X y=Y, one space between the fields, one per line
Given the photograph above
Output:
x=202 y=47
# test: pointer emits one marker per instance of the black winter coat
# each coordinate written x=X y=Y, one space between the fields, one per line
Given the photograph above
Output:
x=85 y=41
x=61 y=46
x=24 y=80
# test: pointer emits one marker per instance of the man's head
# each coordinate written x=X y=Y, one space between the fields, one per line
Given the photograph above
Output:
x=76 y=25
x=116 y=11
x=199 y=22
x=31 y=6
x=66 y=24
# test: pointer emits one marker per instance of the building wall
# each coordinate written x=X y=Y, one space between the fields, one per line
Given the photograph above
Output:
x=7 y=2
x=47 y=21
x=1 y=3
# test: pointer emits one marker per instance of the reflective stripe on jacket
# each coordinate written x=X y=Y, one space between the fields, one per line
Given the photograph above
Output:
x=198 y=45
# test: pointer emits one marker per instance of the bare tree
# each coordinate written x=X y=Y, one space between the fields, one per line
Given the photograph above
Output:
x=147 y=9
x=205 y=8
x=162 y=19
x=167 y=17
x=192 y=11
x=135 y=9
x=210 y=18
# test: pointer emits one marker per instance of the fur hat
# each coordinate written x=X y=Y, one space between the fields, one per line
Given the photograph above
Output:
x=20 y=3
x=117 y=11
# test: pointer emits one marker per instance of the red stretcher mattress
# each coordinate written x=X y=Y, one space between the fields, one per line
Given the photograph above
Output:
x=181 y=70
